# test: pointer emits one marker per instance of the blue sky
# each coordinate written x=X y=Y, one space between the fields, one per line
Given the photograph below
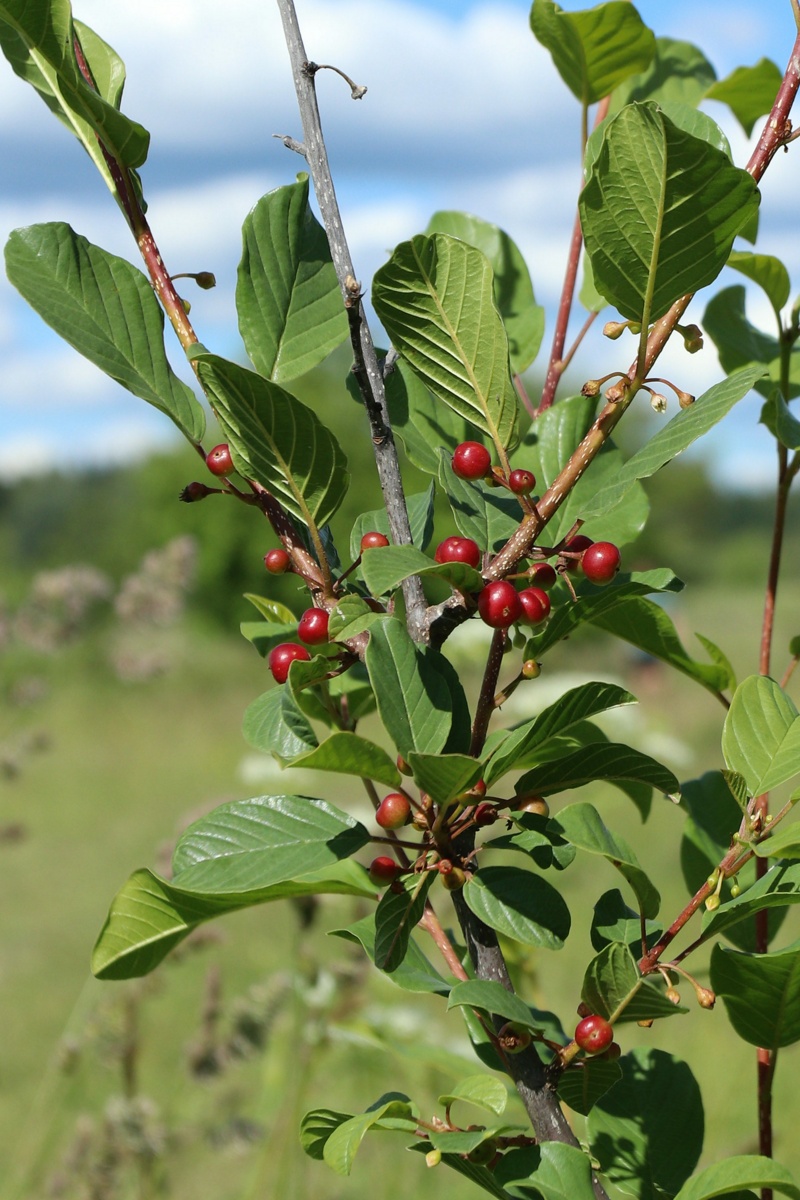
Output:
x=463 y=111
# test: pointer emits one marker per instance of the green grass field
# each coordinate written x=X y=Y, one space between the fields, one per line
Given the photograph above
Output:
x=127 y=764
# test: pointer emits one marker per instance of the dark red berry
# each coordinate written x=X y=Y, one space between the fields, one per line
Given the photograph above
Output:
x=383 y=870
x=594 y=1034
x=577 y=545
x=281 y=658
x=219 y=461
x=499 y=604
x=458 y=549
x=485 y=813
x=471 y=460
x=543 y=575
x=522 y=483
x=600 y=562
x=372 y=540
x=535 y=605
x=313 y=626
x=277 y=562
x=196 y=491
x=393 y=811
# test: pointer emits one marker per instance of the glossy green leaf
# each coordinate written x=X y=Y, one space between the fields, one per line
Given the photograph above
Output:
x=487 y=515
x=595 y=49
x=316 y=1127
x=761 y=735
x=761 y=994
x=784 y=843
x=646 y=625
x=519 y=904
x=413 y=698
x=534 y=837
x=582 y=825
x=492 y=998
x=37 y=38
x=522 y=745
x=351 y=616
x=385 y=567
x=512 y=287
x=395 y=918
x=414 y=974
x=677 y=435
x=272 y=610
x=678 y=72
x=647 y=1134
x=767 y=271
x=343 y=1142
x=106 y=309
x=435 y=300
x=264 y=634
x=483 y=1090
x=550 y=1171
x=276 y=440
x=740 y=343
x=420 y=518
x=444 y=776
x=149 y=916
x=739 y=1172
x=780 y=421
x=348 y=754
x=749 y=92
x=614 y=921
x=256 y=843
x=273 y=723
x=422 y=425
x=689 y=203
x=606 y=761
x=721 y=660
x=779 y=888
x=290 y=306
x=582 y=1086
x=613 y=987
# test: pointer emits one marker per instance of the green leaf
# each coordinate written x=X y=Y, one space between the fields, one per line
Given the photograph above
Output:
x=422 y=425
x=444 y=776
x=614 y=921
x=482 y=1090
x=783 y=844
x=678 y=72
x=291 y=311
x=413 y=699
x=385 y=567
x=273 y=723
x=613 y=987
x=606 y=761
x=264 y=634
x=435 y=300
x=749 y=92
x=493 y=999
x=645 y=624
x=647 y=1133
x=37 y=38
x=481 y=1176
x=520 y=905
x=272 y=611
x=149 y=916
x=676 y=436
x=513 y=291
x=780 y=421
x=552 y=1171
x=522 y=745
x=343 y=1142
x=482 y=513
x=351 y=616
x=720 y=660
x=582 y=825
x=767 y=271
x=249 y=844
x=734 y=1174
x=106 y=309
x=689 y=203
x=740 y=343
x=349 y=754
x=582 y=1087
x=414 y=974
x=420 y=518
x=779 y=888
x=593 y=50
x=316 y=1127
x=276 y=440
x=395 y=918
x=761 y=735
x=761 y=994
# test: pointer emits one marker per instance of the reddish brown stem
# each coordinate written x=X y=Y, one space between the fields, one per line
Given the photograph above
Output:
x=485 y=706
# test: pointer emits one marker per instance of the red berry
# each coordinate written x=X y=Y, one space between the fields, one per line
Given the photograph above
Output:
x=281 y=658
x=219 y=461
x=277 y=562
x=458 y=549
x=313 y=626
x=499 y=604
x=196 y=491
x=543 y=575
x=535 y=605
x=522 y=483
x=485 y=813
x=600 y=562
x=577 y=544
x=393 y=811
x=594 y=1034
x=372 y=540
x=471 y=460
x=383 y=870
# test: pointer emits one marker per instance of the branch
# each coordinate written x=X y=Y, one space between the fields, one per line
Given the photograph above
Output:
x=366 y=369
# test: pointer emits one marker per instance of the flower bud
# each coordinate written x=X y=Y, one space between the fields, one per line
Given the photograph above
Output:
x=614 y=329
x=685 y=399
x=692 y=338
x=658 y=403
x=433 y=1158
x=591 y=388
